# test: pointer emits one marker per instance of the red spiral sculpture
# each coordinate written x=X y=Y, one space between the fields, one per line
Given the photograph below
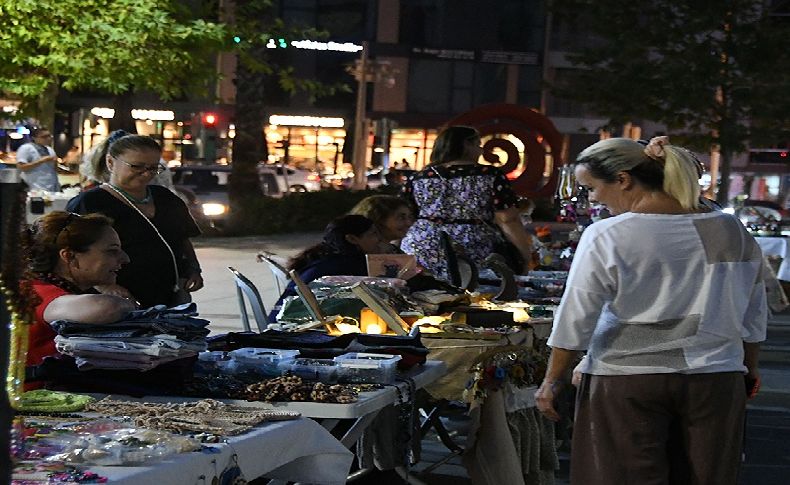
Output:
x=533 y=129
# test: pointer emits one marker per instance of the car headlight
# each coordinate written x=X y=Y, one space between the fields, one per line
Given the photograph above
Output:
x=213 y=209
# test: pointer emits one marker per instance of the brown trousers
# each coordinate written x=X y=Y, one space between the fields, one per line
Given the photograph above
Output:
x=658 y=429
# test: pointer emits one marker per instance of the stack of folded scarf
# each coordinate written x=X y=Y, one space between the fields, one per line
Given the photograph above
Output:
x=141 y=341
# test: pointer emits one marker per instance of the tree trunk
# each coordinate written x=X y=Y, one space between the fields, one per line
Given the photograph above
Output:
x=45 y=106
x=722 y=197
x=122 y=103
x=248 y=145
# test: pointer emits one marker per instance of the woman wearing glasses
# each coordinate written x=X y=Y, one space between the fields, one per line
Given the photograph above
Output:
x=68 y=257
x=153 y=223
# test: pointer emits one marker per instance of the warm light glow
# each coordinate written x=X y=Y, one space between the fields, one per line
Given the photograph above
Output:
x=211 y=209
x=319 y=121
x=369 y=322
x=345 y=328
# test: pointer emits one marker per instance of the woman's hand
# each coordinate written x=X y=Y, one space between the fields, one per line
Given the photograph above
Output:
x=193 y=282
x=545 y=396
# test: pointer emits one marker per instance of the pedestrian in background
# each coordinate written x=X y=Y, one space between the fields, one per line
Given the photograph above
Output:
x=668 y=300
x=38 y=162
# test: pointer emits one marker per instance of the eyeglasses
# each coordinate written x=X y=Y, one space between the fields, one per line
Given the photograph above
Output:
x=156 y=169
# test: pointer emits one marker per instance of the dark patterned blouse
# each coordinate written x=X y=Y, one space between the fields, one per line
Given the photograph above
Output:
x=460 y=199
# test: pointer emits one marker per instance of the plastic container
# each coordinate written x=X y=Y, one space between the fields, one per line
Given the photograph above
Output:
x=212 y=362
x=323 y=370
x=356 y=367
x=265 y=362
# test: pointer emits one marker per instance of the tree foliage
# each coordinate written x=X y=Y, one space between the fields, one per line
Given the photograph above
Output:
x=715 y=72
x=107 y=45
x=254 y=24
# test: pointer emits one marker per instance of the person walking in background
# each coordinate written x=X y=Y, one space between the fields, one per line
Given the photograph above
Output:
x=38 y=162
x=473 y=203
x=668 y=300
x=153 y=223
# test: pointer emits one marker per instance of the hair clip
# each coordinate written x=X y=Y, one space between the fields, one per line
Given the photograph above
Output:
x=655 y=147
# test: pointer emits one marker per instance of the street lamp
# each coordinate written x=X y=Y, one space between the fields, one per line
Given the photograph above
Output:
x=365 y=70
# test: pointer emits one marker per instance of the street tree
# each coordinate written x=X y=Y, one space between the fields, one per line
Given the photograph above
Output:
x=260 y=70
x=114 y=46
x=716 y=73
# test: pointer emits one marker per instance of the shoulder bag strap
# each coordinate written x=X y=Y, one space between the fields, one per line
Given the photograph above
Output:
x=128 y=202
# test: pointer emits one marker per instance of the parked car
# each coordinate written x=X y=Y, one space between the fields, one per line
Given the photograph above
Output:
x=273 y=177
x=204 y=188
x=395 y=177
x=764 y=217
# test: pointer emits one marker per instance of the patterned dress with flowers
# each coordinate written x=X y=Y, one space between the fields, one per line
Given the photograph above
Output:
x=459 y=199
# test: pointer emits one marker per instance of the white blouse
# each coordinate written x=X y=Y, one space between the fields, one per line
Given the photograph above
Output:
x=659 y=293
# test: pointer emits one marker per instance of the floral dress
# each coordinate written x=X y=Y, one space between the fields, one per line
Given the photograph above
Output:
x=459 y=199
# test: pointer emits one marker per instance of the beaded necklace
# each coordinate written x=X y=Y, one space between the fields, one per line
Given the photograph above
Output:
x=61 y=283
x=144 y=200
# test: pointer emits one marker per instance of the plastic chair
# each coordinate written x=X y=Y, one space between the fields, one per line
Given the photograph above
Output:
x=245 y=287
x=279 y=272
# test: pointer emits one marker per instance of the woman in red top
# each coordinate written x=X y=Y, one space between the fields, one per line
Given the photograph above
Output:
x=70 y=257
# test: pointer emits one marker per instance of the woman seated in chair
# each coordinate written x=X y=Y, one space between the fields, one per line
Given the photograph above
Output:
x=70 y=258
x=342 y=251
x=392 y=215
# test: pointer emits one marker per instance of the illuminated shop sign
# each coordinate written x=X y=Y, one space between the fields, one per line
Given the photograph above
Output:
x=317 y=121
x=107 y=113
x=153 y=114
x=314 y=45
x=138 y=114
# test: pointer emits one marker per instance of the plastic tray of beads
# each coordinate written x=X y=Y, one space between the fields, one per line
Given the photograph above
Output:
x=262 y=361
x=322 y=370
x=366 y=368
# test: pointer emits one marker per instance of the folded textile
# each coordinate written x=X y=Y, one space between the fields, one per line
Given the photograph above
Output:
x=136 y=354
x=178 y=321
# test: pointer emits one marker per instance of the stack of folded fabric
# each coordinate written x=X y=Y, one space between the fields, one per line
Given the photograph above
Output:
x=141 y=341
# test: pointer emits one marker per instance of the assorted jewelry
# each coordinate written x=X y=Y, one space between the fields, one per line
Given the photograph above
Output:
x=293 y=388
x=20 y=299
x=205 y=416
x=517 y=365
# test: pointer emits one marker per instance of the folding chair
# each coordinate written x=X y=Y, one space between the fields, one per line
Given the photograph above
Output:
x=245 y=287
x=279 y=272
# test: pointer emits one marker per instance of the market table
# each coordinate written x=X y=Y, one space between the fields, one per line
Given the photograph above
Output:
x=329 y=414
x=776 y=246
x=297 y=450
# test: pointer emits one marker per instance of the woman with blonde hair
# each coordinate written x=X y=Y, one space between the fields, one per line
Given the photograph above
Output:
x=668 y=300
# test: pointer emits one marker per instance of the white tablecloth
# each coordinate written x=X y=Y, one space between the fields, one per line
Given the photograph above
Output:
x=300 y=450
x=776 y=246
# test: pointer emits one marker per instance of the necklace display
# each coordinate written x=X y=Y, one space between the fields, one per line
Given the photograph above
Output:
x=61 y=283
x=145 y=200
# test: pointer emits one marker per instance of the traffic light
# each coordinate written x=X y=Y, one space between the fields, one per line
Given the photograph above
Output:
x=210 y=120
